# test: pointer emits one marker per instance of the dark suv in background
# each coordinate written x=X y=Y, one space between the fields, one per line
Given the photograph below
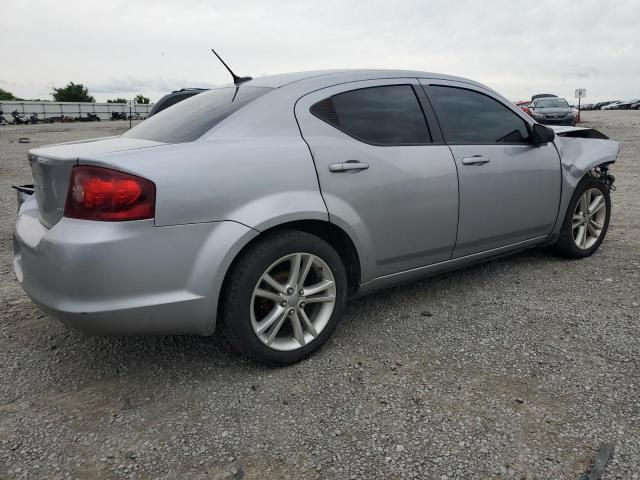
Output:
x=553 y=111
x=174 y=97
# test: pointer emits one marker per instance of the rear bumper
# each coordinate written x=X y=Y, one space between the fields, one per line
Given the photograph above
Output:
x=126 y=278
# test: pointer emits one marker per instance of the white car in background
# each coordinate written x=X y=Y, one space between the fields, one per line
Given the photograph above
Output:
x=613 y=106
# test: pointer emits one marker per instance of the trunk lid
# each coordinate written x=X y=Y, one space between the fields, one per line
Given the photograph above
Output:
x=51 y=169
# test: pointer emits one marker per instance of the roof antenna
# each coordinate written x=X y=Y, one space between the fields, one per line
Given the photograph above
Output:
x=236 y=79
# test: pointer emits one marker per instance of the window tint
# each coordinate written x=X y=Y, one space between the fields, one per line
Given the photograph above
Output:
x=470 y=117
x=387 y=115
x=191 y=118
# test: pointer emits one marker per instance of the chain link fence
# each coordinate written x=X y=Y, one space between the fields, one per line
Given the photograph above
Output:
x=48 y=110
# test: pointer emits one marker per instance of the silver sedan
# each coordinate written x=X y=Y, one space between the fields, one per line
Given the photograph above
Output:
x=261 y=207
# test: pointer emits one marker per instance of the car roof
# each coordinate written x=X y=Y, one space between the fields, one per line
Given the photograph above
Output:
x=271 y=113
x=542 y=95
x=340 y=75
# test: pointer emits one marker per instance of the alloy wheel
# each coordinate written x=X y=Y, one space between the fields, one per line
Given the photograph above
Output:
x=589 y=218
x=292 y=301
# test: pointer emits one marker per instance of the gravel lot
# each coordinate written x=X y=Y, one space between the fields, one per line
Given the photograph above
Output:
x=519 y=368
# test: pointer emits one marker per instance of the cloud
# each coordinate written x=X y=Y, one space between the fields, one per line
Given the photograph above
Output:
x=139 y=84
x=577 y=71
x=517 y=47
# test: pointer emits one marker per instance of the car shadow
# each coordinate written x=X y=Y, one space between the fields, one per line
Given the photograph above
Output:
x=119 y=355
x=464 y=277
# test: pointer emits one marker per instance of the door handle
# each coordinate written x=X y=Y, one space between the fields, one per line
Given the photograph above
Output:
x=476 y=160
x=351 y=165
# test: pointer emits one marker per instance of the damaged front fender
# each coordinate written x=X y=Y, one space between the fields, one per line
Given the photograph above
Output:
x=582 y=151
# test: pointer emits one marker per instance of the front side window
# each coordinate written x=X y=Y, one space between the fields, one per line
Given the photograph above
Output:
x=466 y=116
x=385 y=115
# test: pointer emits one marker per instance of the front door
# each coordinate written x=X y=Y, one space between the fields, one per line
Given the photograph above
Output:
x=509 y=188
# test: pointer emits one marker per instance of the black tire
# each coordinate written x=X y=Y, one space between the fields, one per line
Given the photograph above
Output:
x=235 y=299
x=566 y=246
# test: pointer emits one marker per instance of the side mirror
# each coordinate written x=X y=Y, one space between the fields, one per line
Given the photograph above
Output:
x=541 y=134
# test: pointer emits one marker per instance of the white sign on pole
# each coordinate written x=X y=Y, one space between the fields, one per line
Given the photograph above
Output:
x=581 y=92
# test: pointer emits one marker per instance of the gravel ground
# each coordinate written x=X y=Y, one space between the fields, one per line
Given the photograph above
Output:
x=519 y=368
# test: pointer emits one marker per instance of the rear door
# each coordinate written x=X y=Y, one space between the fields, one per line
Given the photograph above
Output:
x=509 y=188
x=385 y=178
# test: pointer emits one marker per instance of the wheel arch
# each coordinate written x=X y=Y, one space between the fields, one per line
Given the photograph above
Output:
x=565 y=243
x=332 y=234
x=579 y=157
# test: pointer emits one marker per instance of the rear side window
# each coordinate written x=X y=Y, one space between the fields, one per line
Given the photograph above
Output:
x=385 y=115
x=191 y=118
x=466 y=116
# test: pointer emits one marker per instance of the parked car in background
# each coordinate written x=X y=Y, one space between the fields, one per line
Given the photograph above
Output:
x=524 y=106
x=626 y=105
x=543 y=95
x=635 y=106
x=599 y=105
x=553 y=111
x=613 y=105
x=262 y=206
x=174 y=97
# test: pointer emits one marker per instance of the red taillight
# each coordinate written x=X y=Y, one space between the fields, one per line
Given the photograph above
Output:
x=97 y=193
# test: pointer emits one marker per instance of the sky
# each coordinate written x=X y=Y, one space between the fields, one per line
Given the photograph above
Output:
x=119 y=48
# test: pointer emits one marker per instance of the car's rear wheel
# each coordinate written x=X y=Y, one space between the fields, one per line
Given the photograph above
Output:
x=587 y=219
x=284 y=297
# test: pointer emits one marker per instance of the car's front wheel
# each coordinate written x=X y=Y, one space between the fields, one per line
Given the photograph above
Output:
x=283 y=297
x=587 y=219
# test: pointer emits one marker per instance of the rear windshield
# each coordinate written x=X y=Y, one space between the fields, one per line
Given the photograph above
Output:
x=190 y=119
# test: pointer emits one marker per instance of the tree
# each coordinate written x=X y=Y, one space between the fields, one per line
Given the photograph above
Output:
x=72 y=92
x=117 y=100
x=5 y=95
x=142 y=99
